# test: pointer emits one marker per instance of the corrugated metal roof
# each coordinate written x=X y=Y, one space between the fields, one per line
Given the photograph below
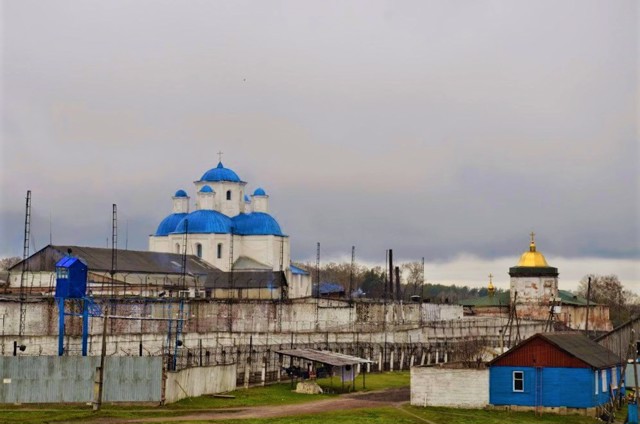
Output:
x=502 y=299
x=498 y=299
x=298 y=271
x=244 y=263
x=327 y=288
x=324 y=357
x=575 y=344
x=246 y=280
x=99 y=260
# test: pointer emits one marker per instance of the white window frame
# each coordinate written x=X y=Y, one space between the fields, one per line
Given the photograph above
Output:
x=614 y=378
x=603 y=378
x=513 y=381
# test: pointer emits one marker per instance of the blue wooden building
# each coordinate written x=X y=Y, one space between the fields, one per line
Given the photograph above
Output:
x=555 y=370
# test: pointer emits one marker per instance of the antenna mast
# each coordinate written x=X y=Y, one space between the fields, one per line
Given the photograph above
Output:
x=114 y=246
x=25 y=255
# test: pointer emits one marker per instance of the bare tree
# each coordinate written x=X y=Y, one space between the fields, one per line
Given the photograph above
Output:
x=6 y=263
x=608 y=290
x=413 y=272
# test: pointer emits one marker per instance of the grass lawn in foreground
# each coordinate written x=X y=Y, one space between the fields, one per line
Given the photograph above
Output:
x=413 y=415
x=275 y=394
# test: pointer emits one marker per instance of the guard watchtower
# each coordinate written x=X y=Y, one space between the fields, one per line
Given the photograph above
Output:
x=71 y=285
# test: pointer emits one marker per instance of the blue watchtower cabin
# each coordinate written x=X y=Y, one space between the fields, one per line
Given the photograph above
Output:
x=71 y=283
x=71 y=278
x=555 y=370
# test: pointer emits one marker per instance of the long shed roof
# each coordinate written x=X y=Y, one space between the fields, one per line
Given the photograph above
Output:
x=135 y=261
x=324 y=357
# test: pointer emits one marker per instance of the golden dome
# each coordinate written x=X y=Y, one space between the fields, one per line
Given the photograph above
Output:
x=491 y=289
x=532 y=258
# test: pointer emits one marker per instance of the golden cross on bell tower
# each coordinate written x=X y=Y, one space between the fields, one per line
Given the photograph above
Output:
x=532 y=237
x=220 y=156
x=491 y=289
x=490 y=277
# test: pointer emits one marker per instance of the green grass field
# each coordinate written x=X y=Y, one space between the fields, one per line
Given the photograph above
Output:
x=281 y=394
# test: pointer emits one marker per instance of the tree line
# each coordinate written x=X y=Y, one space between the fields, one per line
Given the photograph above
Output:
x=370 y=282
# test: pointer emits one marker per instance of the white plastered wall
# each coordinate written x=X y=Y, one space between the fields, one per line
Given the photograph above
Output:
x=534 y=289
x=231 y=207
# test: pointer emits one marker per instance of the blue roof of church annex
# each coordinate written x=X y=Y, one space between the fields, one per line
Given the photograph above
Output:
x=220 y=173
x=256 y=224
x=205 y=221
x=169 y=224
x=180 y=193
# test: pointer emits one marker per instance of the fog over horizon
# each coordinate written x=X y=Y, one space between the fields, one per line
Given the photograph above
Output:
x=444 y=130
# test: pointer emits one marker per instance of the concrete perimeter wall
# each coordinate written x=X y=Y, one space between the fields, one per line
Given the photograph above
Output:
x=460 y=388
x=200 y=381
x=64 y=379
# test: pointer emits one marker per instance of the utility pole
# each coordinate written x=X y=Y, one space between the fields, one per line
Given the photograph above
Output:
x=586 y=324
x=114 y=264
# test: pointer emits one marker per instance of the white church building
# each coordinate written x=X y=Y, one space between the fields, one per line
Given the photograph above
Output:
x=229 y=229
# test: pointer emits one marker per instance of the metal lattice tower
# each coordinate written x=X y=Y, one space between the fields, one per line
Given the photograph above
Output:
x=231 y=286
x=114 y=246
x=25 y=255
x=184 y=255
x=353 y=260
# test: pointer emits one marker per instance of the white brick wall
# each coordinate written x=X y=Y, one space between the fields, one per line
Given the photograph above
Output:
x=435 y=386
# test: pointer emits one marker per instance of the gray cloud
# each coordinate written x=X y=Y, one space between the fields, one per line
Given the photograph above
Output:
x=434 y=128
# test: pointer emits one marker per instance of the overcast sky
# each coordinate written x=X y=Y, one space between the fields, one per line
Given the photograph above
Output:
x=443 y=129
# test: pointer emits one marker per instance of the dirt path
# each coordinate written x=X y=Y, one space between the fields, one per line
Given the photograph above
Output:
x=392 y=397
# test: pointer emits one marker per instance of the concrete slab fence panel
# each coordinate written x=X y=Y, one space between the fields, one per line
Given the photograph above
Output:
x=458 y=388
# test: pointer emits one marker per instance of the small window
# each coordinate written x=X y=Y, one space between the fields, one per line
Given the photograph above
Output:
x=596 y=375
x=518 y=381
x=177 y=247
x=219 y=250
x=199 y=250
x=614 y=378
x=603 y=377
x=228 y=194
x=62 y=272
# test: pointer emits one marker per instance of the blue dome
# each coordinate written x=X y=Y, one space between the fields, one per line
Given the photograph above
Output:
x=206 y=189
x=256 y=224
x=246 y=199
x=169 y=224
x=259 y=192
x=220 y=173
x=180 y=193
x=205 y=221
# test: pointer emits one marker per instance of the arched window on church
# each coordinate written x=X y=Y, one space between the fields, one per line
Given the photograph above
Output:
x=219 y=250
x=177 y=247
x=228 y=194
x=199 y=250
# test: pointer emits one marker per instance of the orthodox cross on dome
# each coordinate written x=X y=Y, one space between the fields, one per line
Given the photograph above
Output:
x=532 y=245
x=220 y=156
x=490 y=277
x=491 y=289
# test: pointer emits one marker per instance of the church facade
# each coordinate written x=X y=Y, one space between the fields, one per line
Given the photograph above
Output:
x=228 y=228
x=535 y=295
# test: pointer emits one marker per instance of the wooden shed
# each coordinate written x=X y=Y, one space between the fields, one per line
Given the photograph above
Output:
x=555 y=370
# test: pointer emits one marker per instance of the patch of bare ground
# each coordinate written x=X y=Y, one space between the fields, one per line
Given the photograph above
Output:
x=375 y=399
